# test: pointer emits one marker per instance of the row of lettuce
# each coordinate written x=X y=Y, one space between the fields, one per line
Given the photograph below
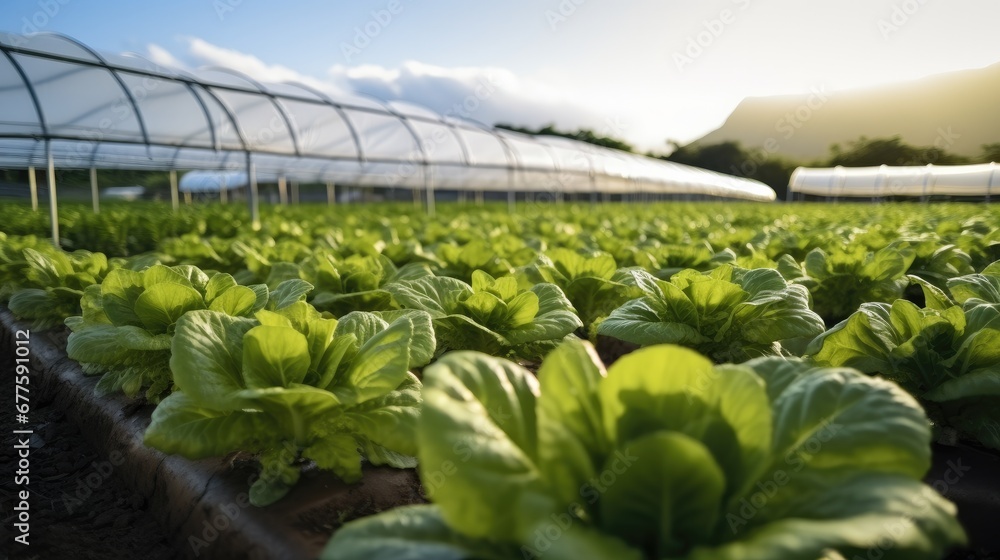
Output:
x=314 y=358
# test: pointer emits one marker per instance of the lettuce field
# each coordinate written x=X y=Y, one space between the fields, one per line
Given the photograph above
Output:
x=624 y=381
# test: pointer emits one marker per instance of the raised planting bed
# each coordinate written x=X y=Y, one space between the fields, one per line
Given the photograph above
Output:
x=203 y=506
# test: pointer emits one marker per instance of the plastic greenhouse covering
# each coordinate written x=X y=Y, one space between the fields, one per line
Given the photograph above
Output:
x=65 y=105
x=925 y=180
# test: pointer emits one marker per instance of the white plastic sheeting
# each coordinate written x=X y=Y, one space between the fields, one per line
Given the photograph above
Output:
x=212 y=181
x=62 y=99
x=874 y=182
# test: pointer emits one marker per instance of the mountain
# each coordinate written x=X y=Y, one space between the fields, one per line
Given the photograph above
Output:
x=957 y=111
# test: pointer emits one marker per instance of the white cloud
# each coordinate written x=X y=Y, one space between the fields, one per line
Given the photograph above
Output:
x=487 y=94
x=161 y=56
x=207 y=54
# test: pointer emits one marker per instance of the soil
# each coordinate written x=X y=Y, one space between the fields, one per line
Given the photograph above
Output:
x=611 y=349
x=326 y=518
x=71 y=518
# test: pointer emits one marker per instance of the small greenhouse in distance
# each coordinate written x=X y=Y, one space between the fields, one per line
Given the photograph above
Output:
x=980 y=180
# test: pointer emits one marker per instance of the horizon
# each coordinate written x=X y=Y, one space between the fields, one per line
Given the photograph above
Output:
x=571 y=63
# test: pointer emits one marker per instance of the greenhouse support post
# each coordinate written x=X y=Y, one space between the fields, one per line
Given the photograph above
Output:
x=33 y=187
x=429 y=185
x=175 y=202
x=223 y=190
x=282 y=190
x=295 y=192
x=511 y=194
x=253 y=198
x=94 y=191
x=331 y=193
x=53 y=203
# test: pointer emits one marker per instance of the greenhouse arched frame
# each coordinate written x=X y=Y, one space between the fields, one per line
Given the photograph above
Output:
x=63 y=104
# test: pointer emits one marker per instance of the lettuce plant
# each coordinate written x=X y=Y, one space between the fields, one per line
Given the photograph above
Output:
x=293 y=386
x=128 y=321
x=12 y=263
x=50 y=283
x=207 y=253
x=974 y=289
x=729 y=314
x=356 y=282
x=968 y=291
x=492 y=315
x=667 y=260
x=949 y=357
x=268 y=261
x=591 y=282
x=844 y=279
x=662 y=456
x=461 y=261
x=936 y=262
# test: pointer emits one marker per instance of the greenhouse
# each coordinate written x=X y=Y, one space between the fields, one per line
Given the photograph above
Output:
x=126 y=112
x=980 y=180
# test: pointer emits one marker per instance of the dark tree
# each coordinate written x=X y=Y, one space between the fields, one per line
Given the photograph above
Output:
x=584 y=135
x=732 y=159
x=865 y=152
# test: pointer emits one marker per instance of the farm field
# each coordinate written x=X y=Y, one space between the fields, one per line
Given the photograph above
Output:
x=662 y=380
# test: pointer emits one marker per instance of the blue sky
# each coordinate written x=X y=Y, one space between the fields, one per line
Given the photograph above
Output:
x=644 y=70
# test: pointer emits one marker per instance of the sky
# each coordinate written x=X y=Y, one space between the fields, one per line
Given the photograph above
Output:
x=642 y=70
